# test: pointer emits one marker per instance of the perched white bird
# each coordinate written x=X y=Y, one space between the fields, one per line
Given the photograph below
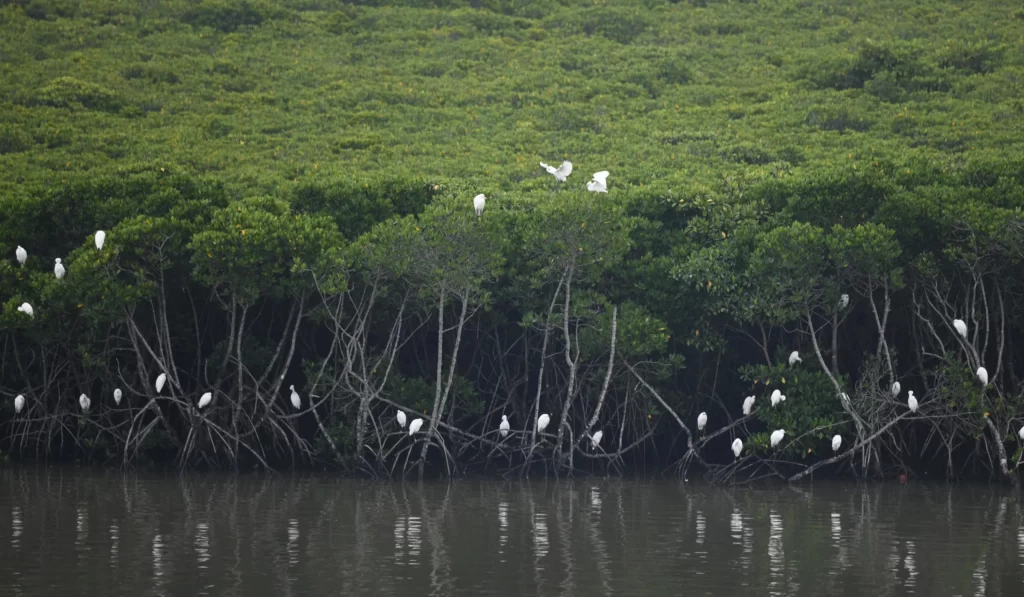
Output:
x=895 y=389
x=560 y=173
x=737 y=447
x=117 y=396
x=748 y=405
x=794 y=358
x=19 y=403
x=401 y=418
x=702 y=420
x=415 y=426
x=1021 y=433
x=961 y=327
x=911 y=401
x=84 y=402
x=542 y=422
x=58 y=269
x=600 y=182
x=26 y=309
x=101 y=237
x=777 y=397
x=777 y=436
x=836 y=442
x=22 y=254
x=844 y=301
x=983 y=376
x=595 y=440
x=160 y=381
x=205 y=400
x=296 y=401
x=478 y=204
x=504 y=427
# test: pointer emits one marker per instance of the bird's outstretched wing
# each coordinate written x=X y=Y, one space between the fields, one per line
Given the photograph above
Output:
x=564 y=170
x=601 y=177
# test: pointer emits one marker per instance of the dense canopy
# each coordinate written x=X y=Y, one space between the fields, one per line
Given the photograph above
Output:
x=286 y=191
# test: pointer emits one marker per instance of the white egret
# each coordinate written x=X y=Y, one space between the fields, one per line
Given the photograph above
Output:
x=777 y=397
x=737 y=447
x=1021 y=433
x=22 y=255
x=478 y=204
x=401 y=418
x=961 y=327
x=560 y=173
x=836 y=442
x=296 y=401
x=911 y=401
x=84 y=402
x=777 y=436
x=415 y=426
x=58 y=269
x=983 y=376
x=101 y=237
x=595 y=440
x=844 y=301
x=26 y=309
x=160 y=381
x=19 y=403
x=748 y=405
x=895 y=389
x=117 y=396
x=504 y=427
x=794 y=358
x=702 y=420
x=600 y=182
x=542 y=422
x=205 y=400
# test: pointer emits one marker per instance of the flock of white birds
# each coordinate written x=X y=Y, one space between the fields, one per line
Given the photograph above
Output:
x=598 y=183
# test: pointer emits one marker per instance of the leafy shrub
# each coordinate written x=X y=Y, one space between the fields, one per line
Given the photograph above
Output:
x=228 y=16
x=69 y=92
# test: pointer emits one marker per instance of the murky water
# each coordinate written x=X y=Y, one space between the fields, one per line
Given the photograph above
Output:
x=73 y=532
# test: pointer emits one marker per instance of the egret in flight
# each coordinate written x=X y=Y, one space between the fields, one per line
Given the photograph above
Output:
x=961 y=327
x=117 y=396
x=26 y=309
x=19 y=403
x=794 y=358
x=895 y=389
x=415 y=426
x=911 y=401
x=478 y=204
x=58 y=269
x=101 y=237
x=205 y=400
x=504 y=427
x=702 y=420
x=401 y=419
x=560 y=173
x=748 y=405
x=836 y=442
x=296 y=401
x=84 y=402
x=600 y=182
x=595 y=440
x=160 y=381
x=22 y=255
x=542 y=422
x=737 y=447
x=777 y=436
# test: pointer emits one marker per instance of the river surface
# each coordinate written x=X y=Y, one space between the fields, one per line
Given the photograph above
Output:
x=67 y=531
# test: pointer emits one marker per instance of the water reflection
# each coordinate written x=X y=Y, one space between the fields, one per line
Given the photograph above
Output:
x=256 y=536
